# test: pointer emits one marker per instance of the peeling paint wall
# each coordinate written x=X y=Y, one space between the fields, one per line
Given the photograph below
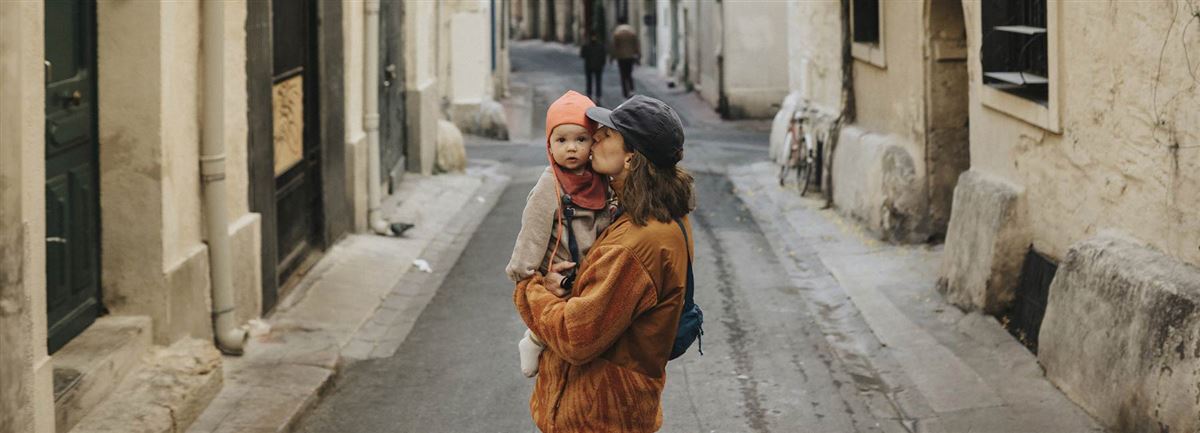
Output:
x=1128 y=157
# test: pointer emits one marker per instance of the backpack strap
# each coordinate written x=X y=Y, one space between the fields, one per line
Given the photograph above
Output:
x=689 y=297
x=569 y=215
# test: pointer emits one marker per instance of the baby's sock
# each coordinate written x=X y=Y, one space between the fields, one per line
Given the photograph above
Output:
x=529 y=350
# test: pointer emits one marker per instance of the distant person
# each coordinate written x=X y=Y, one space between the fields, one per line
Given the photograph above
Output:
x=566 y=210
x=626 y=50
x=593 y=65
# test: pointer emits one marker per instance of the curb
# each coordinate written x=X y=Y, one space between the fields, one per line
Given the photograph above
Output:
x=287 y=371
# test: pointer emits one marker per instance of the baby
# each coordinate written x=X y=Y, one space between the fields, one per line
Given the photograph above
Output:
x=566 y=209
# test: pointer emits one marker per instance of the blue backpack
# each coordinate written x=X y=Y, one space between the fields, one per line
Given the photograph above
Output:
x=691 y=321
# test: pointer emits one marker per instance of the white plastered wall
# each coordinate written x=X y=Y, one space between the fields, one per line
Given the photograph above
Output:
x=26 y=393
x=815 y=53
x=154 y=259
x=354 y=44
x=423 y=97
x=1128 y=156
x=756 y=61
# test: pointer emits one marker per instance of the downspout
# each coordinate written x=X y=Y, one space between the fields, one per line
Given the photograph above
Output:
x=230 y=338
x=371 y=118
x=848 y=108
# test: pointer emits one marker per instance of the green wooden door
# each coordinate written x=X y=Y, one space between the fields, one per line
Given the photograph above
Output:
x=72 y=186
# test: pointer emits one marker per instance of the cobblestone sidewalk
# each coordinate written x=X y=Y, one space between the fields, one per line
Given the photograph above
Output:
x=358 y=302
x=922 y=363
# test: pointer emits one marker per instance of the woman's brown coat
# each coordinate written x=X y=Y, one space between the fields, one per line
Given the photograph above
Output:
x=607 y=345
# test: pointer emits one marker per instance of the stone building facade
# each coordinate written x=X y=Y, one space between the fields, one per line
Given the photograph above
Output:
x=1053 y=145
x=107 y=111
x=732 y=53
x=1094 y=173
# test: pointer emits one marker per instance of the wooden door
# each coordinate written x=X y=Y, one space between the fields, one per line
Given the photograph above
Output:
x=72 y=184
x=297 y=155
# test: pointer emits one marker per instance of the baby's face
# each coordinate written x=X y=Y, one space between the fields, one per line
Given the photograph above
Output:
x=570 y=145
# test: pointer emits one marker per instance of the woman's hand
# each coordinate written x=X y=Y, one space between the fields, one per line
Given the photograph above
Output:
x=555 y=277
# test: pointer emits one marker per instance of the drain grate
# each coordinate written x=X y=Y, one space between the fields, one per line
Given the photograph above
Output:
x=1024 y=318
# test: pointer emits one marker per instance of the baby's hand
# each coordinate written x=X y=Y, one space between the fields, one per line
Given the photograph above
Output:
x=555 y=277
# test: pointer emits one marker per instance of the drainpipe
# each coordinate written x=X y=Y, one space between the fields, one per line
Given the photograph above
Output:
x=371 y=118
x=230 y=337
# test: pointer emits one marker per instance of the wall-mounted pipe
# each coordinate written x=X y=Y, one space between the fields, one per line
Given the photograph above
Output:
x=230 y=338
x=371 y=118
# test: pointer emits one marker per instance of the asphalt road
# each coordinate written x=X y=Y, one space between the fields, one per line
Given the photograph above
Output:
x=766 y=367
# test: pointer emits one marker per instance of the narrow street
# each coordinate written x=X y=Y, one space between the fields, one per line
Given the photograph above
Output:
x=766 y=367
x=280 y=217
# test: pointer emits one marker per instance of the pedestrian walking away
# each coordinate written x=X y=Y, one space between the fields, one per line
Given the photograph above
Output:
x=626 y=50
x=608 y=340
x=593 y=54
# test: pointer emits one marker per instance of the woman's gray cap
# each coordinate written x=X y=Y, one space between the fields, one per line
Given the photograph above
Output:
x=650 y=126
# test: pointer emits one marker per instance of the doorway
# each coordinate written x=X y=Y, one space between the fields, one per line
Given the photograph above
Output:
x=297 y=156
x=72 y=178
x=391 y=92
x=947 y=148
x=296 y=143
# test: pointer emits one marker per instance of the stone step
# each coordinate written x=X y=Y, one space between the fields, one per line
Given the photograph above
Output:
x=165 y=395
x=89 y=368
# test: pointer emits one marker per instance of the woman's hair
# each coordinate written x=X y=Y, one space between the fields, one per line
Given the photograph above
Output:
x=650 y=191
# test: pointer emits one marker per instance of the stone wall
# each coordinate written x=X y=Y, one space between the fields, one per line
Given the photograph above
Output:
x=877 y=181
x=1126 y=153
x=985 y=244
x=1121 y=335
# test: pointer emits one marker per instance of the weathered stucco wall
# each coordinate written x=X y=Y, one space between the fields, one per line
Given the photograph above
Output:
x=180 y=89
x=891 y=99
x=356 y=136
x=26 y=393
x=815 y=53
x=422 y=97
x=756 y=64
x=663 y=32
x=1129 y=153
x=154 y=260
x=706 y=29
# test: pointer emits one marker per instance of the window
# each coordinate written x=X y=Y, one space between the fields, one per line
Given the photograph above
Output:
x=1014 y=51
x=866 y=31
x=865 y=27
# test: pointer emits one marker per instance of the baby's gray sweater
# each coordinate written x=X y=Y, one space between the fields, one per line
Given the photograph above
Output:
x=539 y=231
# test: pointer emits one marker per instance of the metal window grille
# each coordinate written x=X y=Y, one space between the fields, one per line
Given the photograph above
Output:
x=865 y=21
x=1014 y=51
x=1024 y=318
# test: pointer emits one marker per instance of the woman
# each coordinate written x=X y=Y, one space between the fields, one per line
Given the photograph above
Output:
x=607 y=344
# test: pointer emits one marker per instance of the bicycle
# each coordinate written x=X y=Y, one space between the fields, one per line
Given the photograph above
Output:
x=800 y=154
